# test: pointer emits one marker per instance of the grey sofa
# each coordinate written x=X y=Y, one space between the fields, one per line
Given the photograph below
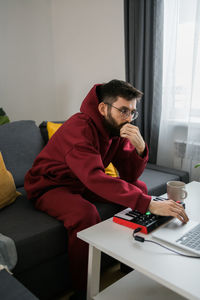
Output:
x=41 y=241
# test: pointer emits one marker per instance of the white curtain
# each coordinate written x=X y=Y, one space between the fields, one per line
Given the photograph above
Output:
x=179 y=139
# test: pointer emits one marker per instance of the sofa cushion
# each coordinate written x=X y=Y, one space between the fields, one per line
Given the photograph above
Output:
x=183 y=175
x=20 y=143
x=37 y=236
x=156 y=181
x=34 y=232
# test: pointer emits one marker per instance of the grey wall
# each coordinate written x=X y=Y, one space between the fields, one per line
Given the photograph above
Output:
x=53 y=51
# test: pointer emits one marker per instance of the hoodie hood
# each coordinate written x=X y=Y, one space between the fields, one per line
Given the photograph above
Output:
x=89 y=107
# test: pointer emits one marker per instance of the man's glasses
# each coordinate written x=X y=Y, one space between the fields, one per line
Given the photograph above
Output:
x=126 y=113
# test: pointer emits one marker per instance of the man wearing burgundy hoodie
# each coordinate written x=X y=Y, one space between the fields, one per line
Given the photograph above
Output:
x=68 y=174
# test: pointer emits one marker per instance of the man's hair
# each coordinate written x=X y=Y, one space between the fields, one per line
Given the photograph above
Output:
x=108 y=92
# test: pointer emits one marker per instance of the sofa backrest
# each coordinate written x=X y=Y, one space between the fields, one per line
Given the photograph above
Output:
x=20 y=143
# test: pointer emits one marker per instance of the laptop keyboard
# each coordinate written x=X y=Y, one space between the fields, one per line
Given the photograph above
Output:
x=191 y=239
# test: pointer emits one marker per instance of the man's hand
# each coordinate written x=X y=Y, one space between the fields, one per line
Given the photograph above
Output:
x=132 y=133
x=168 y=208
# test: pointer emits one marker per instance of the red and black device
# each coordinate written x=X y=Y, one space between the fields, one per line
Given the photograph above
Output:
x=147 y=222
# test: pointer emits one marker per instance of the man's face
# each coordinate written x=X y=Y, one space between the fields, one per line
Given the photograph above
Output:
x=118 y=114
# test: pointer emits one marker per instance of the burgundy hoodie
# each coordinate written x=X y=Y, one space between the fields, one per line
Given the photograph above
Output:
x=76 y=157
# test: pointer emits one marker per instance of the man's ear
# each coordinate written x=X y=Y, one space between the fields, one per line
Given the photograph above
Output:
x=102 y=108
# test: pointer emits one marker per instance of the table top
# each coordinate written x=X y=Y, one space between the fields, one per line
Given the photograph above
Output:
x=181 y=274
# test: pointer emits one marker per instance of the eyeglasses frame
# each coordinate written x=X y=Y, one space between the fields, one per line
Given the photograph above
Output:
x=134 y=114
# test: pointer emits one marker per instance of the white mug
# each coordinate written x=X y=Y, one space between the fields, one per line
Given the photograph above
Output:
x=176 y=190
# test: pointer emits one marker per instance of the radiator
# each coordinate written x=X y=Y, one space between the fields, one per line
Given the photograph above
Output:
x=186 y=156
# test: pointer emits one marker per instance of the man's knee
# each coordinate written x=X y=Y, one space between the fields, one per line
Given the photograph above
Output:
x=88 y=215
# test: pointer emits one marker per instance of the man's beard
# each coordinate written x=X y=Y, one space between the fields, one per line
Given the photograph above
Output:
x=111 y=125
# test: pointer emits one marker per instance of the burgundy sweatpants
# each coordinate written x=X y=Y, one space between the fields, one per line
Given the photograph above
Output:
x=76 y=213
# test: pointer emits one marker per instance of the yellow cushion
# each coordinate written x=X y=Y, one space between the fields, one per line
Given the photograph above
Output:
x=8 y=192
x=52 y=127
x=111 y=170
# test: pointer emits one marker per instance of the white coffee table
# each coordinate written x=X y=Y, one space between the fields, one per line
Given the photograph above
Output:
x=157 y=269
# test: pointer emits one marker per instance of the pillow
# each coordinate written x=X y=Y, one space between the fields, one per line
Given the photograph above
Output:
x=111 y=170
x=44 y=132
x=20 y=143
x=8 y=192
x=51 y=129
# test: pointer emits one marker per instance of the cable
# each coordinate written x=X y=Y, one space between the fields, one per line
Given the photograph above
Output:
x=142 y=240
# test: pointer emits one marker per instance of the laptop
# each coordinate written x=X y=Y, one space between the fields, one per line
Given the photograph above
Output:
x=184 y=236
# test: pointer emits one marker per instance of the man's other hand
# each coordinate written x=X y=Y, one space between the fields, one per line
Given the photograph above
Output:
x=132 y=133
x=168 y=208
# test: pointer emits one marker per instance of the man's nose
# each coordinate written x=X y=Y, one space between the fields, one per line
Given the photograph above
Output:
x=129 y=118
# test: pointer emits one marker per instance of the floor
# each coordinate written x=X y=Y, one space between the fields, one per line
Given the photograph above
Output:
x=108 y=277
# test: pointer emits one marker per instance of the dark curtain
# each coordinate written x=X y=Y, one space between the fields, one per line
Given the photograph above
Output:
x=143 y=51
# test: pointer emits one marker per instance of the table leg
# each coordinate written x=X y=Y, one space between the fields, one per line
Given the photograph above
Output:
x=94 y=264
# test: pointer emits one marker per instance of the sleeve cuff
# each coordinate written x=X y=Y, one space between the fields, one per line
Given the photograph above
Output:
x=143 y=203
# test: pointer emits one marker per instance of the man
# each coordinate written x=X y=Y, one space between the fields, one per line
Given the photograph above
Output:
x=70 y=171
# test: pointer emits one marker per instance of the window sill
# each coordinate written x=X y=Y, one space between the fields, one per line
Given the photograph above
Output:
x=195 y=122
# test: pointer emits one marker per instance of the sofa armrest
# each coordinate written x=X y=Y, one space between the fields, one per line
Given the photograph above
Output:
x=184 y=176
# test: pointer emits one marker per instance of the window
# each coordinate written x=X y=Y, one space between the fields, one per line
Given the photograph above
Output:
x=181 y=60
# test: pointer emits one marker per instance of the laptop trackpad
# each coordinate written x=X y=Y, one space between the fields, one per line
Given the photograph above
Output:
x=173 y=230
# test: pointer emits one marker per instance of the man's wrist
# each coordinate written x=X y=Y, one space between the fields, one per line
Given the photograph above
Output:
x=152 y=205
x=141 y=152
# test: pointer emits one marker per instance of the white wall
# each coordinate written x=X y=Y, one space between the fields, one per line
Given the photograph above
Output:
x=53 y=51
x=27 y=79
